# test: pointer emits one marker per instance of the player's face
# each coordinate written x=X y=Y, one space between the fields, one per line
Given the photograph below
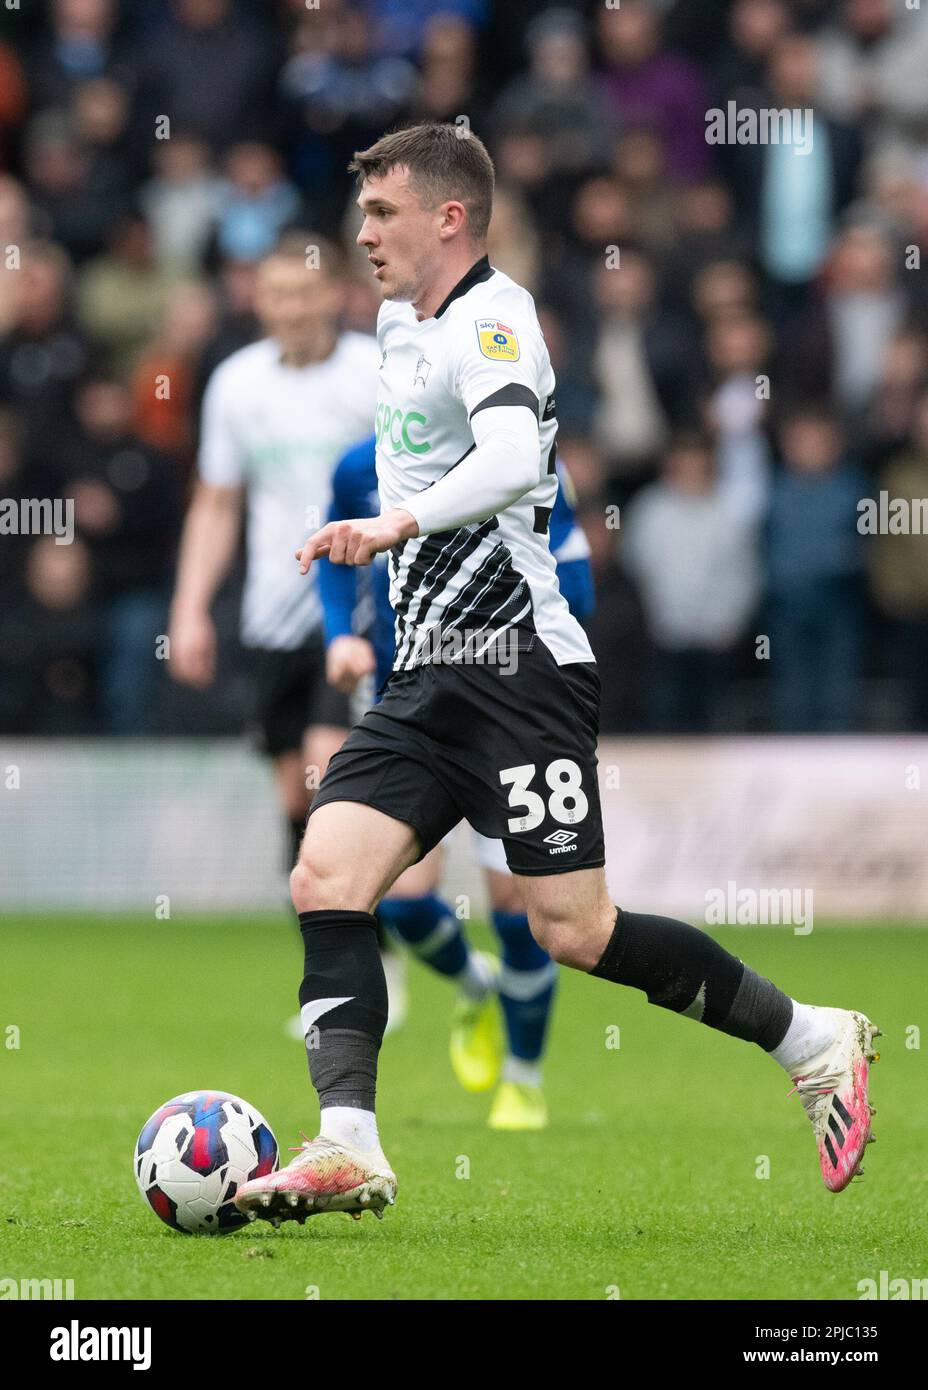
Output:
x=402 y=238
x=296 y=303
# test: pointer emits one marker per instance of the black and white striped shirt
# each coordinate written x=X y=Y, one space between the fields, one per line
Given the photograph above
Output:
x=460 y=589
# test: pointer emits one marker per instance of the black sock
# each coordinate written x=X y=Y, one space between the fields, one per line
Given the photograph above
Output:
x=343 y=1001
x=297 y=828
x=684 y=969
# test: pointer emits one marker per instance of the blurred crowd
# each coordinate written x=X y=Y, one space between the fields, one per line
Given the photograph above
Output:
x=739 y=331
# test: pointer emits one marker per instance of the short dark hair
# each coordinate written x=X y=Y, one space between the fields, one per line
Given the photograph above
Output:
x=444 y=161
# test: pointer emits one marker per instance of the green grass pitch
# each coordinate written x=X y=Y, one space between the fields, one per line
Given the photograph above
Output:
x=645 y=1186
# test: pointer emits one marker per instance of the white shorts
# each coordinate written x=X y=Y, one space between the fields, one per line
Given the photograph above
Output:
x=489 y=854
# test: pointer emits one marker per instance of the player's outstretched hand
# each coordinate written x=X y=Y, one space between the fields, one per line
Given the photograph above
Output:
x=347 y=660
x=357 y=542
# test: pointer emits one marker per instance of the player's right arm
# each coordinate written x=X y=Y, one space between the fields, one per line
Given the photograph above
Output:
x=209 y=539
x=207 y=549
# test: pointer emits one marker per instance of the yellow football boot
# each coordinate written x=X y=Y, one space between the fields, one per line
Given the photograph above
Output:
x=518 y=1106
x=477 y=1035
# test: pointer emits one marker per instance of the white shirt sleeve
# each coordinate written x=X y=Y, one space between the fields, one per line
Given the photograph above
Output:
x=494 y=371
x=220 y=461
x=498 y=362
x=504 y=464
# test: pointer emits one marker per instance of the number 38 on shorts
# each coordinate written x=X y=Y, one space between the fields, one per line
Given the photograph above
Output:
x=566 y=801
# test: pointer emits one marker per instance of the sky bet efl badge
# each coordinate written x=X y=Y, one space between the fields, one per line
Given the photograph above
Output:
x=497 y=342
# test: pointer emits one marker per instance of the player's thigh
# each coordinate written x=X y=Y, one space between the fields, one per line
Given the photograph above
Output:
x=421 y=879
x=350 y=857
x=386 y=764
x=571 y=915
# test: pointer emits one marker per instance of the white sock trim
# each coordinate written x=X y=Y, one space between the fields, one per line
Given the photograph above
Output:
x=443 y=931
x=523 y=985
x=476 y=980
x=346 y=1125
x=812 y=1029
x=522 y=1072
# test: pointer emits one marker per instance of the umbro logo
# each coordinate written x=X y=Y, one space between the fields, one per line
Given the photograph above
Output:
x=382 y=360
x=561 y=840
x=423 y=367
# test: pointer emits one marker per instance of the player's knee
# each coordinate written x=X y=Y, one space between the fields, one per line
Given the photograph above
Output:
x=321 y=881
x=569 y=937
x=559 y=936
x=302 y=886
x=312 y=889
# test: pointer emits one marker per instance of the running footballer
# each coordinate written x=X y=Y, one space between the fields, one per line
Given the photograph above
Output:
x=466 y=428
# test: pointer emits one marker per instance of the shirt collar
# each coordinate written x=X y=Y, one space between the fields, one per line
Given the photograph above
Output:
x=477 y=273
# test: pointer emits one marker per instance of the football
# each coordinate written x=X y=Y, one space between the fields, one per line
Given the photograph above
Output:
x=194 y=1153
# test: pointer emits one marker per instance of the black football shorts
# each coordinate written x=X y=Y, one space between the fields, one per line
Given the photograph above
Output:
x=511 y=751
x=291 y=694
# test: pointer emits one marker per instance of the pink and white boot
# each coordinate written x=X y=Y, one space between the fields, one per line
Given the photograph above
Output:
x=833 y=1087
x=324 y=1176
